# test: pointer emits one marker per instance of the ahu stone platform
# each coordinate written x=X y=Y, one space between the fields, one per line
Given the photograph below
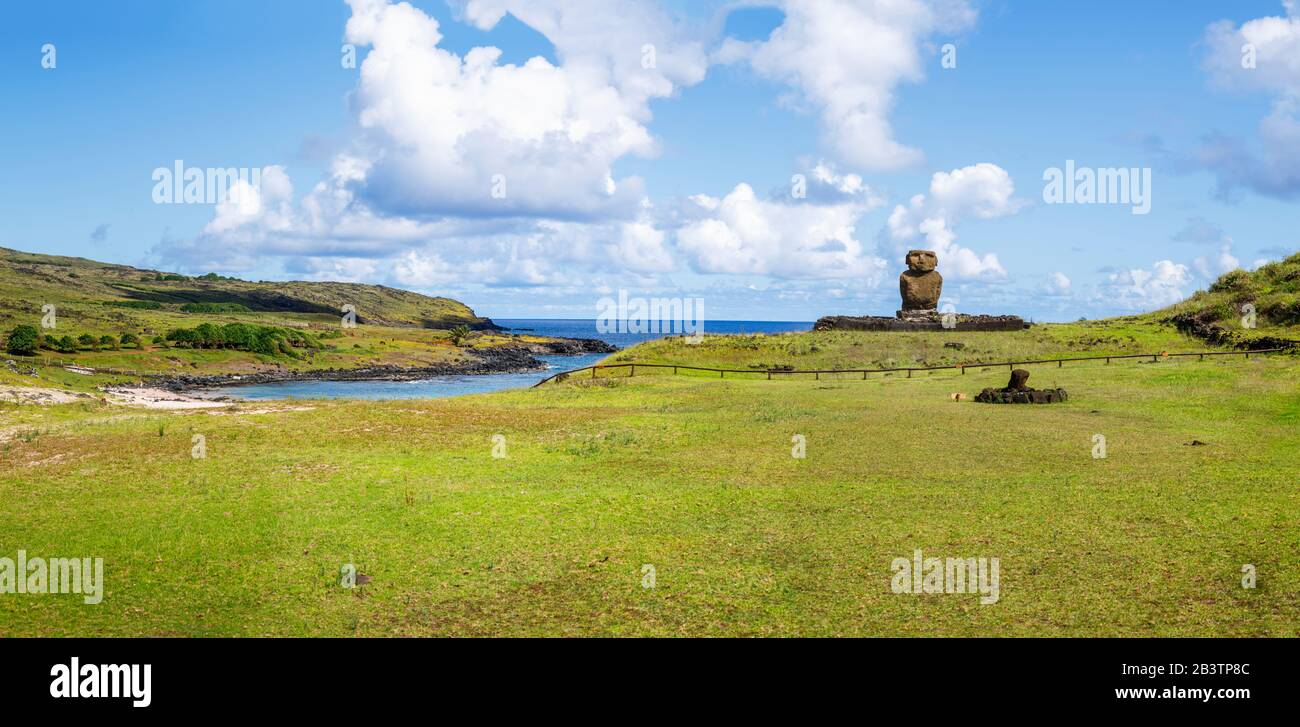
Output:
x=927 y=321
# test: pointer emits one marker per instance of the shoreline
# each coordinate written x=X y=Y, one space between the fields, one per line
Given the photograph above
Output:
x=511 y=359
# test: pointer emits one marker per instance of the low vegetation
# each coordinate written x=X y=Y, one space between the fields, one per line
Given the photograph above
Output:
x=695 y=478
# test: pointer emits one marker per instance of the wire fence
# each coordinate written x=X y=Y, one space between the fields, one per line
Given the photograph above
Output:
x=767 y=374
x=78 y=367
x=961 y=367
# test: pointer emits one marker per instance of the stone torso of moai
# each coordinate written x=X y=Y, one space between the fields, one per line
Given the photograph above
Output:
x=920 y=285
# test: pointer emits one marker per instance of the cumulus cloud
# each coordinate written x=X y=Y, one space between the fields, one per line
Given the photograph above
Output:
x=1143 y=289
x=742 y=233
x=1212 y=266
x=1260 y=55
x=470 y=135
x=981 y=191
x=410 y=199
x=462 y=157
x=1057 y=284
x=845 y=58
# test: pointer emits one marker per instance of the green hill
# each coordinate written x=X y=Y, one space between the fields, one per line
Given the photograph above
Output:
x=127 y=322
x=95 y=290
x=1222 y=314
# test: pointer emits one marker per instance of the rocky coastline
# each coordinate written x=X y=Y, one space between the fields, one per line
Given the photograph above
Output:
x=505 y=359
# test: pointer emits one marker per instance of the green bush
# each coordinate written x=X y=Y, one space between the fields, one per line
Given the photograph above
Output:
x=267 y=340
x=23 y=340
x=1234 y=281
x=215 y=308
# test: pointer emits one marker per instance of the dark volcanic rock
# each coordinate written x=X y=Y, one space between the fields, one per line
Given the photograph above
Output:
x=933 y=322
x=1017 y=391
x=1203 y=326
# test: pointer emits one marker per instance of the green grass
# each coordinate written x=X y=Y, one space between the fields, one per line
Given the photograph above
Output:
x=830 y=350
x=695 y=477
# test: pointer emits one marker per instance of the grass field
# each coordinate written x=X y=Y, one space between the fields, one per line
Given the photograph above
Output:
x=694 y=477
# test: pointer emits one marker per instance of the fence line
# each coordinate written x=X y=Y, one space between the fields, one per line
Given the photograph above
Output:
x=49 y=362
x=959 y=367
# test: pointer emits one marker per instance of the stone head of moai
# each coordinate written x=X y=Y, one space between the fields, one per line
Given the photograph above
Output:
x=921 y=261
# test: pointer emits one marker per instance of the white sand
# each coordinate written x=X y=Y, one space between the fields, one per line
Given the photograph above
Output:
x=160 y=399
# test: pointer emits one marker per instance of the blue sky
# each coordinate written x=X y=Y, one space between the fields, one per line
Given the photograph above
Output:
x=671 y=180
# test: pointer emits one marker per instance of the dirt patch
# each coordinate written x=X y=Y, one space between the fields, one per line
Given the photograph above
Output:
x=41 y=396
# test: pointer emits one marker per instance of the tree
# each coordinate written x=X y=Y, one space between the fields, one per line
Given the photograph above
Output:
x=458 y=334
x=87 y=340
x=108 y=342
x=23 y=340
x=66 y=344
x=130 y=339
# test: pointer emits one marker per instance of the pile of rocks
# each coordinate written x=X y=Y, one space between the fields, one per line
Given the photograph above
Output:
x=1017 y=391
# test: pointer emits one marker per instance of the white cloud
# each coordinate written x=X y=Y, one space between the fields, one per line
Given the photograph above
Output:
x=1261 y=55
x=1211 y=267
x=982 y=191
x=438 y=128
x=1057 y=284
x=1142 y=289
x=845 y=58
x=743 y=234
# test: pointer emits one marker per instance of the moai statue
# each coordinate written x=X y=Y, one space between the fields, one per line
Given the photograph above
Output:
x=920 y=285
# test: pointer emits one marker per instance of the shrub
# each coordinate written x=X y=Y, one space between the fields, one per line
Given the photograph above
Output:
x=130 y=339
x=23 y=340
x=1234 y=281
x=458 y=334
x=267 y=340
x=108 y=342
x=87 y=341
x=215 y=308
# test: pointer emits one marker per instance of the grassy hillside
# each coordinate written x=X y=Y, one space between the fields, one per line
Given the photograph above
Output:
x=1221 y=313
x=93 y=299
x=98 y=291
